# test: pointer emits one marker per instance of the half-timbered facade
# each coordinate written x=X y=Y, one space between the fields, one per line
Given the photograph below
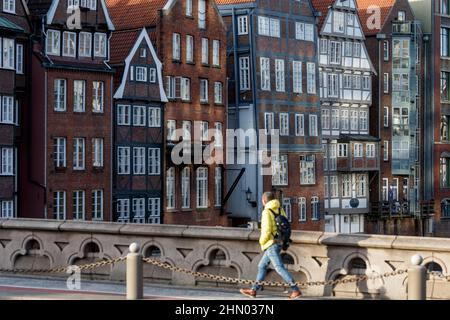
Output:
x=190 y=40
x=138 y=154
x=273 y=75
x=352 y=154
x=70 y=127
x=14 y=72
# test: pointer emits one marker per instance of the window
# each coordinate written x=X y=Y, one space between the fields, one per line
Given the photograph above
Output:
x=335 y=119
x=346 y=185
x=357 y=49
x=284 y=124
x=307 y=170
x=170 y=186
x=123 y=210
x=218 y=186
x=59 y=205
x=218 y=93
x=311 y=77
x=78 y=199
x=304 y=31
x=313 y=130
x=203 y=90
x=218 y=134
x=325 y=119
x=279 y=75
x=139 y=161
x=97 y=96
x=186 y=188
x=19 y=58
x=323 y=46
x=205 y=51
x=59 y=152
x=445 y=172
x=269 y=27
x=189 y=49
x=171 y=128
x=141 y=74
x=202 y=14
x=345 y=120
x=287 y=207
x=334 y=187
x=204 y=132
x=302 y=209
x=185 y=89
x=123 y=115
x=154 y=161
x=189 y=8
x=79 y=94
x=7 y=161
x=97 y=204
x=385 y=150
x=265 y=74
x=315 y=208
x=69 y=44
x=354 y=120
x=60 y=95
x=300 y=125
x=99 y=44
x=445 y=128
x=143 y=53
x=9 y=6
x=385 y=190
x=386 y=117
x=358 y=150
x=333 y=85
x=342 y=150
x=154 y=210
x=365 y=83
x=338 y=21
x=244 y=73
x=386 y=82
x=97 y=152
x=280 y=170
x=363 y=120
x=78 y=153
x=123 y=160
x=152 y=75
x=370 y=150
x=154 y=117
x=84 y=45
x=139 y=116
x=7 y=209
x=401 y=16
x=335 y=52
x=268 y=122
x=361 y=185
x=138 y=210
x=242 y=25
x=7 y=110
x=400 y=149
x=216 y=53
x=297 y=76
x=176 y=47
x=53 y=42
x=445 y=42
x=202 y=188
x=186 y=126
x=445 y=89
x=386 y=50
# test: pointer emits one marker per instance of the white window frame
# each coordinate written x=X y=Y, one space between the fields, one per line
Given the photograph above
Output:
x=60 y=97
x=202 y=187
x=170 y=188
x=242 y=22
x=9 y=6
x=185 y=188
x=280 y=78
x=218 y=93
x=154 y=117
x=98 y=96
x=97 y=152
x=7 y=162
x=176 y=46
x=297 y=77
x=79 y=96
x=59 y=205
x=311 y=77
x=139 y=161
x=79 y=204
x=189 y=48
x=313 y=126
x=308 y=170
x=216 y=53
x=300 y=125
x=60 y=152
x=19 y=58
x=218 y=186
x=141 y=74
x=97 y=204
x=53 y=42
x=154 y=161
x=205 y=51
x=204 y=88
x=85 y=44
x=139 y=116
x=79 y=154
x=265 y=73
x=284 y=124
x=269 y=122
x=123 y=160
x=123 y=115
x=244 y=73
x=100 y=43
x=302 y=214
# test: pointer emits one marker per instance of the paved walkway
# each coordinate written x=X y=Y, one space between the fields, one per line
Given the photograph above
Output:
x=31 y=288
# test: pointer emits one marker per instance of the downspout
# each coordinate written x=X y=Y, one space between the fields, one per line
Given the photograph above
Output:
x=236 y=71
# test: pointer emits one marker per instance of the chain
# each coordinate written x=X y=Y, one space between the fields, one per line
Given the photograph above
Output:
x=83 y=267
x=440 y=275
x=218 y=278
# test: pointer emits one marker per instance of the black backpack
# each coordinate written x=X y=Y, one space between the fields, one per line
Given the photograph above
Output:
x=283 y=236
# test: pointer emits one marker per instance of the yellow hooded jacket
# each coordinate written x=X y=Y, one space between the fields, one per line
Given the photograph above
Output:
x=268 y=224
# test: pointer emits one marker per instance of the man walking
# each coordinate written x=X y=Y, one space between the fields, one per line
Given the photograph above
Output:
x=271 y=248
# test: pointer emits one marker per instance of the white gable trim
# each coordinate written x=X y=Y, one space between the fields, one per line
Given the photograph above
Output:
x=169 y=4
x=51 y=13
x=142 y=36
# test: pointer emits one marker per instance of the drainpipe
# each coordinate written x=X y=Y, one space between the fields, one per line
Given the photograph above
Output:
x=236 y=70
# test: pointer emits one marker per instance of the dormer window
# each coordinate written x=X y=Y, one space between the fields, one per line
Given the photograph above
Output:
x=53 y=42
x=338 y=22
x=85 y=44
x=69 y=44
x=401 y=16
x=9 y=6
x=143 y=53
x=141 y=74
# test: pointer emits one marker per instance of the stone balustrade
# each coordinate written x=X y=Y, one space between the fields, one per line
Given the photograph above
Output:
x=313 y=256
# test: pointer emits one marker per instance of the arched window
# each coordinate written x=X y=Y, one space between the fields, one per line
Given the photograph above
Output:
x=170 y=188
x=152 y=252
x=357 y=266
x=433 y=266
x=287 y=258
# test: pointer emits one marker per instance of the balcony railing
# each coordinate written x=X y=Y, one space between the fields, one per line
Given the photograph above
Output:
x=404 y=27
x=400 y=210
x=351 y=163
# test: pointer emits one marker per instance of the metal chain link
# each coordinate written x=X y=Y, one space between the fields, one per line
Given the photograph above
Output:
x=440 y=275
x=271 y=283
x=82 y=267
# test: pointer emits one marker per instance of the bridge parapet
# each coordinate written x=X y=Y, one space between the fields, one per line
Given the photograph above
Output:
x=232 y=252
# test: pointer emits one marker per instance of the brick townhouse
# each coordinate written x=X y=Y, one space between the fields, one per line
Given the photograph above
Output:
x=396 y=49
x=69 y=133
x=14 y=84
x=139 y=99
x=190 y=40
x=273 y=72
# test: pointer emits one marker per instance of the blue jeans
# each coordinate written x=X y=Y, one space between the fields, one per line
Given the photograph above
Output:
x=273 y=255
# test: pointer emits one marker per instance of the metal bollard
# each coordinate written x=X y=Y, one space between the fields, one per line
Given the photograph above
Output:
x=417 y=279
x=135 y=287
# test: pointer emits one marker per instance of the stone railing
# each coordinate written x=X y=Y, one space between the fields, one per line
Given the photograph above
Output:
x=314 y=256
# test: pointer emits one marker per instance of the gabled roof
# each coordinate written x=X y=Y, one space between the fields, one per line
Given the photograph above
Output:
x=135 y=14
x=6 y=24
x=142 y=36
x=322 y=6
x=365 y=12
